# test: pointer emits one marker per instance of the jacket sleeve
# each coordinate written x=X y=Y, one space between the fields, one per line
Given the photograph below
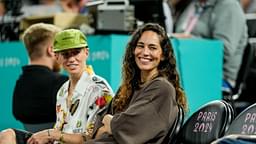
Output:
x=147 y=117
x=229 y=25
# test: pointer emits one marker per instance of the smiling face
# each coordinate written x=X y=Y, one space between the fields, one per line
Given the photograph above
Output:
x=148 y=53
x=73 y=60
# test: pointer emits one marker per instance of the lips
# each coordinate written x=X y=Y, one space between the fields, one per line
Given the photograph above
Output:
x=72 y=66
x=145 y=60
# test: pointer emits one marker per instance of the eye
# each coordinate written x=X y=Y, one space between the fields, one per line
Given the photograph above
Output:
x=152 y=47
x=139 y=45
x=64 y=54
x=76 y=51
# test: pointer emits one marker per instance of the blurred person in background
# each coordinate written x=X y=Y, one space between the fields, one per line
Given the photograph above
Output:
x=47 y=8
x=34 y=95
x=177 y=7
x=75 y=6
x=221 y=20
x=249 y=6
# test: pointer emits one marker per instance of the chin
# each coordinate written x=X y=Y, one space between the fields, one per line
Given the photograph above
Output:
x=145 y=68
x=71 y=71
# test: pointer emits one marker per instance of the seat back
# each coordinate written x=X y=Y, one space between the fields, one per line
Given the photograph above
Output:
x=244 y=93
x=248 y=56
x=251 y=22
x=175 y=127
x=207 y=124
x=249 y=80
x=244 y=123
x=244 y=70
x=231 y=112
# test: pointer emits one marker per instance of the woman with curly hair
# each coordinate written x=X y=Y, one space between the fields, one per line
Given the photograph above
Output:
x=148 y=98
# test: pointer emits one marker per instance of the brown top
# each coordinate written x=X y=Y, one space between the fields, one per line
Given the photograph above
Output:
x=148 y=117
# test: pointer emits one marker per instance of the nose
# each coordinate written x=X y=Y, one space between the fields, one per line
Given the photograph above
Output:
x=146 y=51
x=71 y=58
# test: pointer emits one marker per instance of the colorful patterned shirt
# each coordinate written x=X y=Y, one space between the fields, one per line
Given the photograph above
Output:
x=91 y=94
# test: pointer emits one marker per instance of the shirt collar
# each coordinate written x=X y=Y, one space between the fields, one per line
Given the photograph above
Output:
x=79 y=86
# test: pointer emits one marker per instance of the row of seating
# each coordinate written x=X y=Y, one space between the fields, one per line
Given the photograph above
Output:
x=218 y=118
x=210 y=122
x=243 y=94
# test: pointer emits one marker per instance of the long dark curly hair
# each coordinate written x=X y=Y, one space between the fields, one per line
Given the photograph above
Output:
x=131 y=72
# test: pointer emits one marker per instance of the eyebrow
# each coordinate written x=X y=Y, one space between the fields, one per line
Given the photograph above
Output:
x=147 y=44
x=151 y=44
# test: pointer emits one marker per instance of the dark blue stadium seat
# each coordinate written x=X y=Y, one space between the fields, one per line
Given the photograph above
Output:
x=244 y=123
x=242 y=129
x=244 y=92
x=207 y=124
x=175 y=128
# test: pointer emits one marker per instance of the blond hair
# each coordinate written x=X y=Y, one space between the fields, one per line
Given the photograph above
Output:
x=37 y=37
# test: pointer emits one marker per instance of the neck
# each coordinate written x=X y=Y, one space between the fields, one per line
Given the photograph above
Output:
x=74 y=78
x=148 y=76
x=71 y=87
x=73 y=81
x=43 y=61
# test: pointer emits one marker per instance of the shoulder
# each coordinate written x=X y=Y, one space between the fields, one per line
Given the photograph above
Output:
x=60 y=78
x=228 y=4
x=161 y=94
x=228 y=11
x=159 y=88
x=100 y=82
x=162 y=84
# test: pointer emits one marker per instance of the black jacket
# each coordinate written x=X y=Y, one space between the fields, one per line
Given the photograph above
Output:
x=34 y=95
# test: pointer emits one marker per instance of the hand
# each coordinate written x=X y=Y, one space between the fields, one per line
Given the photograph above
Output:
x=100 y=131
x=106 y=121
x=41 y=137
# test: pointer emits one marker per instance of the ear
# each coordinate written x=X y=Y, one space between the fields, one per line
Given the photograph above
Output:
x=50 y=51
x=86 y=51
